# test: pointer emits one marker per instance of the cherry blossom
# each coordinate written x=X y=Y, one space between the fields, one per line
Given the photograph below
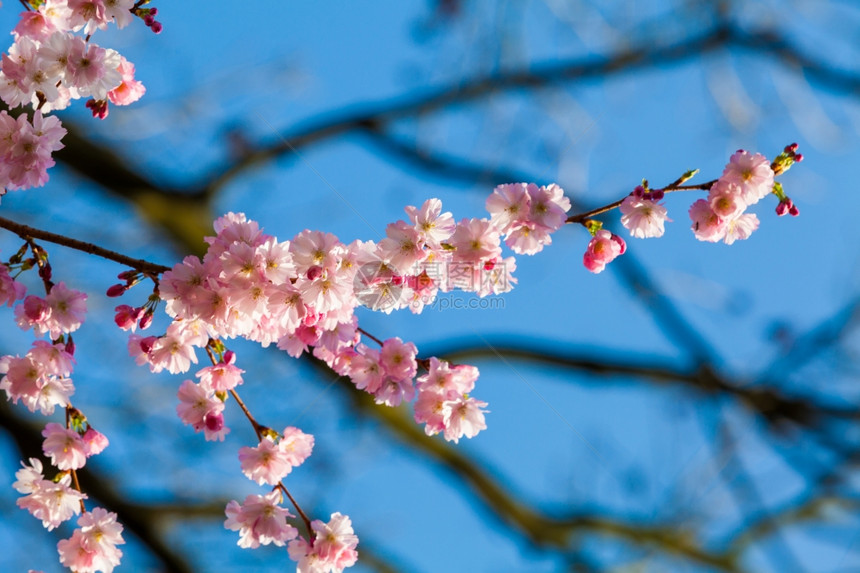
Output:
x=602 y=249
x=332 y=548
x=65 y=447
x=260 y=520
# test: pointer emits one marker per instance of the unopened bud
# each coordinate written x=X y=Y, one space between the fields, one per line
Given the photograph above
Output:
x=314 y=273
x=147 y=343
x=116 y=290
x=214 y=422
x=146 y=319
x=794 y=211
x=125 y=316
x=798 y=158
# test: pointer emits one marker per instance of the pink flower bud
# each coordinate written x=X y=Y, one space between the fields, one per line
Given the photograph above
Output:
x=229 y=357
x=794 y=211
x=98 y=107
x=125 y=316
x=798 y=158
x=94 y=442
x=782 y=208
x=314 y=273
x=116 y=290
x=156 y=27
x=146 y=319
x=147 y=343
x=214 y=422
x=70 y=346
x=791 y=148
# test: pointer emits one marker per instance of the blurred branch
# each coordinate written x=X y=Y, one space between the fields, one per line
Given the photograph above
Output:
x=766 y=401
x=539 y=75
x=794 y=513
x=26 y=232
x=538 y=528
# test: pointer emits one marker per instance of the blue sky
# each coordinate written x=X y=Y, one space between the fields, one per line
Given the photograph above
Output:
x=561 y=441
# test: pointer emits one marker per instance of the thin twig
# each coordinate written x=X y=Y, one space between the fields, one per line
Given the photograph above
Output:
x=26 y=232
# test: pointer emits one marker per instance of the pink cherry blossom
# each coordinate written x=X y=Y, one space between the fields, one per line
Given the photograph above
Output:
x=296 y=445
x=94 y=442
x=222 y=376
x=463 y=417
x=707 y=225
x=397 y=359
x=93 y=547
x=726 y=199
x=430 y=410
x=393 y=391
x=52 y=502
x=643 y=217
x=65 y=447
x=260 y=520
x=129 y=90
x=476 y=240
x=751 y=173
x=265 y=463
x=508 y=205
x=434 y=227
x=333 y=547
x=549 y=206
x=68 y=309
x=199 y=405
x=101 y=532
x=740 y=228
x=602 y=249
x=528 y=238
x=365 y=370
x=10 y=289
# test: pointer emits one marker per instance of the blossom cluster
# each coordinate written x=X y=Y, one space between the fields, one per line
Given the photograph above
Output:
x=41 y=381
x=93 y=546
x=261 y=520
x=40 y=378
x=301 y=295
x=47 y=67
x=746 y=180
